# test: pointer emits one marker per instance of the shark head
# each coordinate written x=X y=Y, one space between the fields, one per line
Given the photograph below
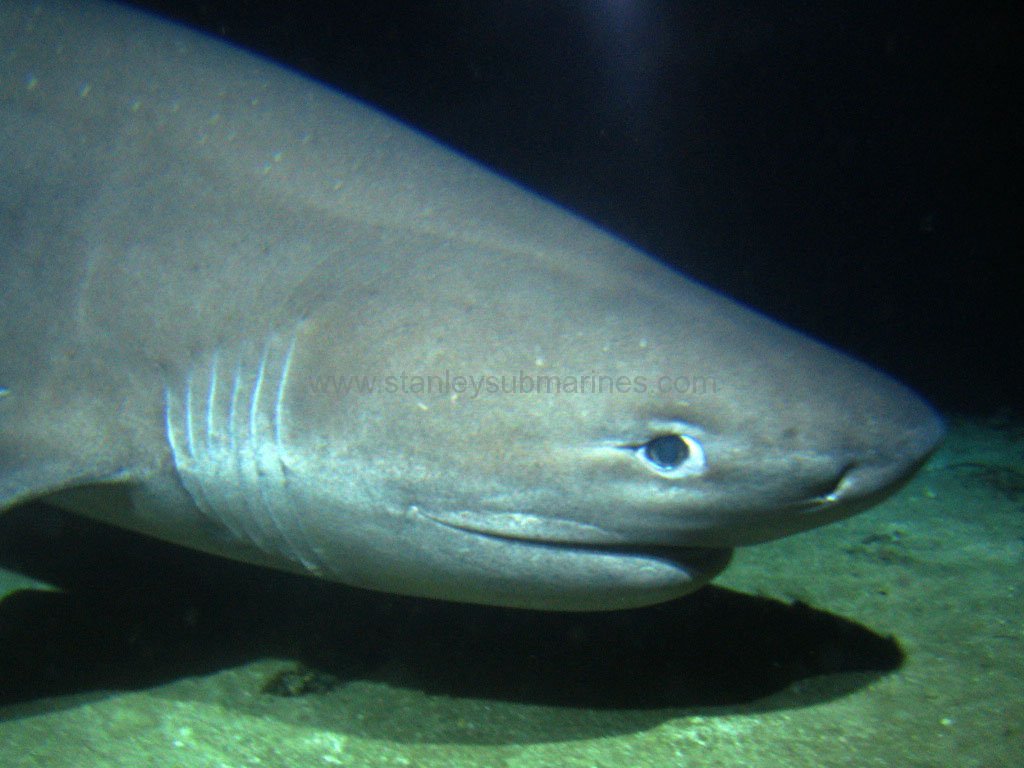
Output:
x=554 y=431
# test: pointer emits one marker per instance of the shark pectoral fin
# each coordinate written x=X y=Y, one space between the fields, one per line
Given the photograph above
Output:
x=37 y=463
x=23 y=483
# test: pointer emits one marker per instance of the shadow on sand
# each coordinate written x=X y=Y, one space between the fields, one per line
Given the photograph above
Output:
x=134 y=613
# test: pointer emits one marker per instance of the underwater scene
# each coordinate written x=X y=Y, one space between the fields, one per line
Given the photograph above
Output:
x=889 y=638
x=332 y=436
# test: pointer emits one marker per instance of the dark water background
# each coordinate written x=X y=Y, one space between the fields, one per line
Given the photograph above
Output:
x=851 y=169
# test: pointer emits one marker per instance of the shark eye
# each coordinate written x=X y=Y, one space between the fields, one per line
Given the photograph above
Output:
x=672 y=455
x=666 y=452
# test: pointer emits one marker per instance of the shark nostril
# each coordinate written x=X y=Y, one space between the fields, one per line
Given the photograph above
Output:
x=831 y=489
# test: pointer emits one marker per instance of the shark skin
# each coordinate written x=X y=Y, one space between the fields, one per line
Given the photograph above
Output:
x=245 y=313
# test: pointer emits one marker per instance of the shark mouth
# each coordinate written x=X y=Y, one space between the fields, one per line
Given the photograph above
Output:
x=533 y=530
x=523 y=526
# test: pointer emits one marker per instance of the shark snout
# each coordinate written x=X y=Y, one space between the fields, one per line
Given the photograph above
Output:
x=872 y=454
x=894 y=458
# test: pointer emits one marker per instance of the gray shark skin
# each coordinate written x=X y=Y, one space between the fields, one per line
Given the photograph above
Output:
x=207 y=261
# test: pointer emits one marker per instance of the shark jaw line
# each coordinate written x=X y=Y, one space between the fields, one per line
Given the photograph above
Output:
x=530 y=530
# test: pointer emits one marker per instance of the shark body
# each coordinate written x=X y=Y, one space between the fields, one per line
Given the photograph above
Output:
x=245 y=313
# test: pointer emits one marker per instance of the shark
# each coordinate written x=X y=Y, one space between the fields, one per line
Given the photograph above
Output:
x=245 y=313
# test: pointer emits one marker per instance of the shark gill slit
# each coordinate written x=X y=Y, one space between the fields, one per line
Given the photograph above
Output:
x=228 y=448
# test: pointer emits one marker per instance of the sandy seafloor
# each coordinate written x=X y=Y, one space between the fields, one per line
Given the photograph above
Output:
x=895 y=638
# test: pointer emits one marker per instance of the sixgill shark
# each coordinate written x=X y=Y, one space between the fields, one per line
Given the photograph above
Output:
x=245 y=313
